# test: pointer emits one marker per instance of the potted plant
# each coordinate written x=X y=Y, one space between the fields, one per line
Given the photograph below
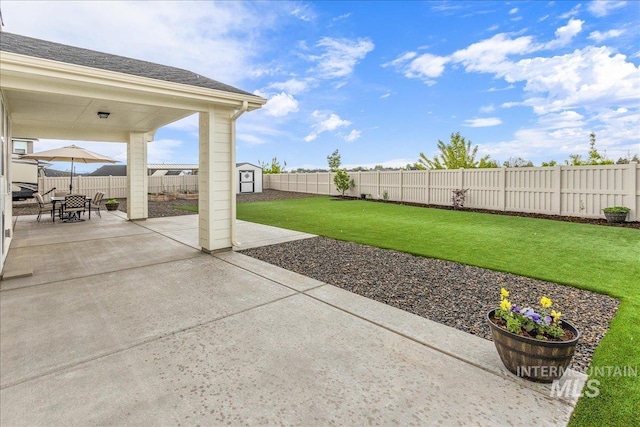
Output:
x=532 y=344
x=616 y=213
x=112 y=205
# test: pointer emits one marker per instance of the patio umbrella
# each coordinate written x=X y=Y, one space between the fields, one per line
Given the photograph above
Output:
x=71 y=154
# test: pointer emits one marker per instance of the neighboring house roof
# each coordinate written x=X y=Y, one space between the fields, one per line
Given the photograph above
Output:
x=174 y=173
x=54 y=173
x=245 y=163
x=113 y=170
x=174 y=167
x=43 y=49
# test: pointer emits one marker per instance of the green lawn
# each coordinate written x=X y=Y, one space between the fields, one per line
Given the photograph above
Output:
x=597 y=258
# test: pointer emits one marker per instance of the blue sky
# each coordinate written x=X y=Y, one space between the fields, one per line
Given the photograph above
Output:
x=380 y=81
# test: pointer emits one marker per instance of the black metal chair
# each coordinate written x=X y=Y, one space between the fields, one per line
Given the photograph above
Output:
x=74 y=204
x=44 y=206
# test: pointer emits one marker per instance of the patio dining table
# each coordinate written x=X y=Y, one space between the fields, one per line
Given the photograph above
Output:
x=61 y=200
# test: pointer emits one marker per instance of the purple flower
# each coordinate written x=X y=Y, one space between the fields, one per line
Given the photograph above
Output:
x=547 y=320
x=515 y=309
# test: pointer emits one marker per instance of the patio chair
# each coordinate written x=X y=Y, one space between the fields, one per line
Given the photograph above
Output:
x=74 y=204
x=95 y=203
x=43 y=206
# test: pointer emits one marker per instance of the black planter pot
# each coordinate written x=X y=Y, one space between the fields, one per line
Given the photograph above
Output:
x=112 y=206
x=614 y=217
x=535 y=360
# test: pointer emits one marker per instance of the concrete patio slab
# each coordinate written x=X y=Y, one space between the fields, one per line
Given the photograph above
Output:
x=225 y=339
x=276 y=274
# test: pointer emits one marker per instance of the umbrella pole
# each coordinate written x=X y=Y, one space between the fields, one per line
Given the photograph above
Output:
x=71 y=182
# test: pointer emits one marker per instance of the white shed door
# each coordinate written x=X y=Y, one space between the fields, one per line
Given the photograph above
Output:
x=247 y=182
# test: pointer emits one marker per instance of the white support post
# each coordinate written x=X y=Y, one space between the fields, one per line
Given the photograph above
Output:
x=216 y=191
x=557 y=189
x=137 y=178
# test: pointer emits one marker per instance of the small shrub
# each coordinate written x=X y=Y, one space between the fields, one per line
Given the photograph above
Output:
x=385 y=195
x=111 y=202
x=617 y=209
x=458 y=197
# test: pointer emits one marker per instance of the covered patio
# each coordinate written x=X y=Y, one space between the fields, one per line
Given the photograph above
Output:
x=54 y=91
x=129 y=323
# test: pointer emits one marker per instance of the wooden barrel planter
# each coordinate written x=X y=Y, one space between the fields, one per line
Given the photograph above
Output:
x=615 y=217
x=535 y=360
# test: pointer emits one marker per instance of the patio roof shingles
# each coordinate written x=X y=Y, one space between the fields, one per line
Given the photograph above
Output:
x=44 y=49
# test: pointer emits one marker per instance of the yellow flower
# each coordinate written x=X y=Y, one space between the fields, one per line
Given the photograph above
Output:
x=503 y=293
x=545 y=302
x=505 y=305
x=556 y=315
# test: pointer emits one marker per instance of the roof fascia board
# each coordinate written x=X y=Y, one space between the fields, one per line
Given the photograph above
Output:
x=198 y=97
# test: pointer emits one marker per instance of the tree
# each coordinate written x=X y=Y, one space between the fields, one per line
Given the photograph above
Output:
x=595 y=158
x=550 y=163
x=628 y=159
x=275 y=166
x=457 y=154
x=334 y=161
x=517 y=162
x=342 y=181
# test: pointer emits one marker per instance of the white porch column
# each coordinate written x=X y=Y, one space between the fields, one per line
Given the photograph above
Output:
x=215 y=186
x=137 y=177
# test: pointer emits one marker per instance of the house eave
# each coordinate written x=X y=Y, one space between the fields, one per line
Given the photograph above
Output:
x=21 y=71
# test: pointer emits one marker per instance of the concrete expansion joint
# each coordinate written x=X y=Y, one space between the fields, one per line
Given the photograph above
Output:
x=196 y=255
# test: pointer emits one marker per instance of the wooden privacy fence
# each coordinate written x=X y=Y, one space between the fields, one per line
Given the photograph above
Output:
x=116 y=186
x=581 y=191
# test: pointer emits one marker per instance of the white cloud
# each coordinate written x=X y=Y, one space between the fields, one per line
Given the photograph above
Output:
x=303 y=13
x=353 y=135
x=491 y=54
x=487 y=109
x=399 y=61
x=425 y=66
x=513 y=11
x=483 y=122
x=292 y=86
x=280 y=105
x=325 y=122
x=602 y=8
x=249 y=139
x=565 y=34
x=386 y=95
x=599 y=37
x=340 y=56
x=220 y=40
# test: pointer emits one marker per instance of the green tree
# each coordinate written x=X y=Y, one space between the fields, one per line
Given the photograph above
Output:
x=334 y=161
x=549 y=163
x=457 y=154
x=595 y=158
x=342 y=181
x=273 y=168
x=517 y=162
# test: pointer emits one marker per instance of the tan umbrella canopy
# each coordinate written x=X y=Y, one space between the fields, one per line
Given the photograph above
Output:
x=71 y=154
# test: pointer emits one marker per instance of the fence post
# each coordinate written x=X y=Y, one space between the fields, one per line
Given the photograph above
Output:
x=359 y=182
x=461 y=178
x=428 y=185
x=502 y=183
x=557 y=188
x=633 y=191
x=110 y=187
x=378 y=184
x=401 y=184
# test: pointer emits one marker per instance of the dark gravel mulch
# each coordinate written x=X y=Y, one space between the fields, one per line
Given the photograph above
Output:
x=454 y=294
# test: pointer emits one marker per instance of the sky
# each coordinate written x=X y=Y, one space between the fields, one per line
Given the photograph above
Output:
x=379 y=81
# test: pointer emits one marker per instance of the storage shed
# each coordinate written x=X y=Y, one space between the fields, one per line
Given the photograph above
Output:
x=249 y=178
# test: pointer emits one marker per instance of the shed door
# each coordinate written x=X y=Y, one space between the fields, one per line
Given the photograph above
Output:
x=247 y=181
